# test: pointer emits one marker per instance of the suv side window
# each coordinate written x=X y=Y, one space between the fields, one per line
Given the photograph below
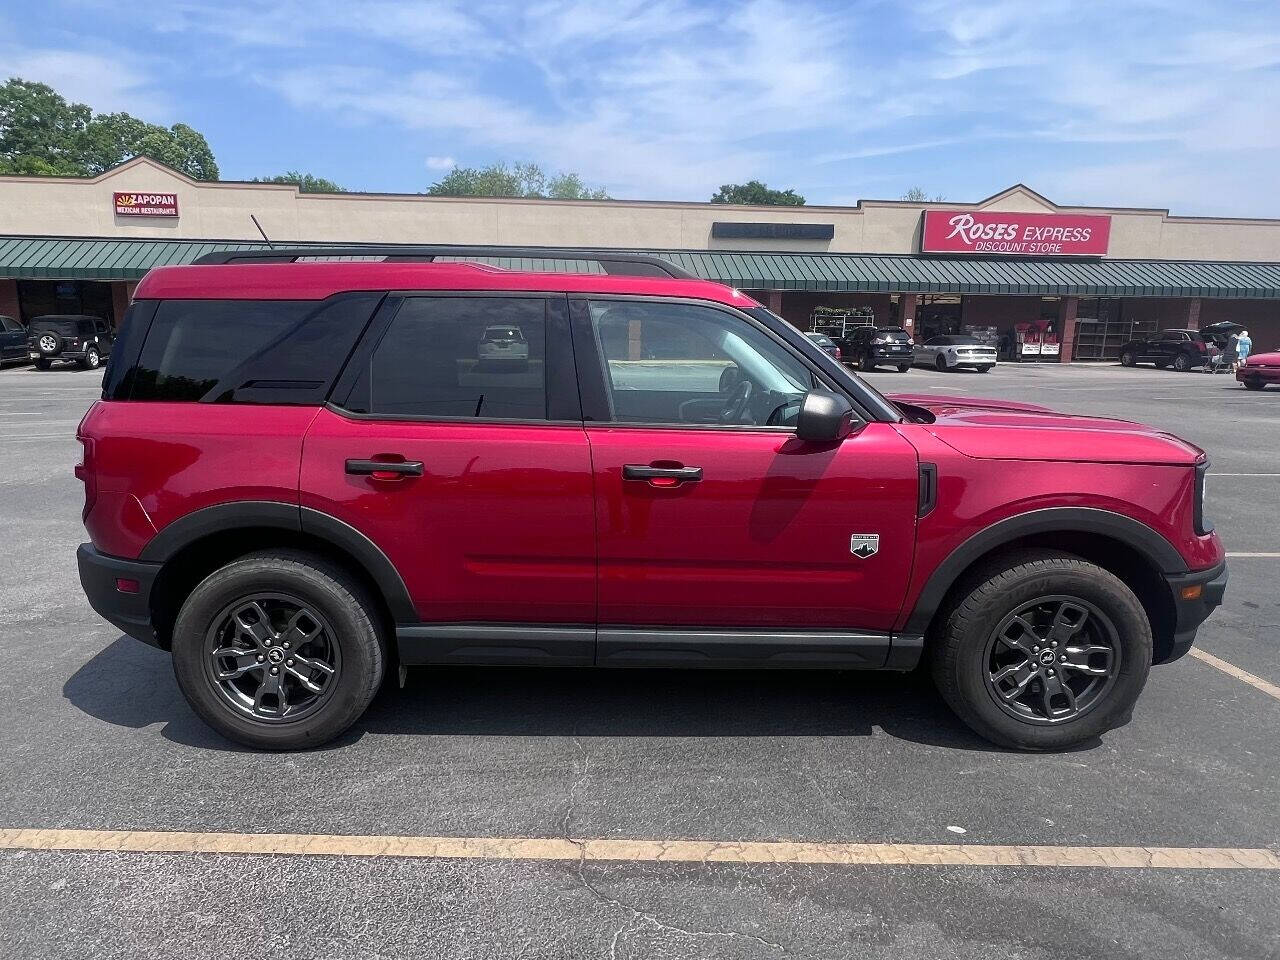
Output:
x=458 y=357
x=10 y=326
x=682 y=364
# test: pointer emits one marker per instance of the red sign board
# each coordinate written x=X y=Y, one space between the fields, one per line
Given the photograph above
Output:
x=146 y=204
x=1020 y=234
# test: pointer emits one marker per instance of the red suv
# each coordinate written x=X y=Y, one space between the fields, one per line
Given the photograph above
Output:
x=303 y=475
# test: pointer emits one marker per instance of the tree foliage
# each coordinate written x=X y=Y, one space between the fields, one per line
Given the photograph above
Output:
x=515 y=180
x=755 y=192
x=306 y=182
x=42 y=134
x=918 y=195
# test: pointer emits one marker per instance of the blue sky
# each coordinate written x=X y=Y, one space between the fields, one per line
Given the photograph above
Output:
x=1165 y=103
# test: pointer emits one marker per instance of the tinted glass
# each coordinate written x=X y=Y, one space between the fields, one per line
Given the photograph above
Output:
x=63 y=326
x=193 y=344
x=1172 y=335
x=822 y=341
x=12 y=326
x=459 y=357
x=893 y=334
x=683 y=364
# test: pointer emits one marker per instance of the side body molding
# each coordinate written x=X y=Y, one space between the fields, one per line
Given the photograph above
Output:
x=224 y=517
x=1133 y=533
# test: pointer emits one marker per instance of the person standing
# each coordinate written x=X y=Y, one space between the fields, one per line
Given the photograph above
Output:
x=1243 y=345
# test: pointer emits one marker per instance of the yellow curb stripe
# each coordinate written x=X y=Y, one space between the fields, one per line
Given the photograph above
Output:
x=1270 y=689
x=650 y=851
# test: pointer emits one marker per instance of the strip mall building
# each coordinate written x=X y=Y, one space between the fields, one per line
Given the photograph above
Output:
x=1016 y=265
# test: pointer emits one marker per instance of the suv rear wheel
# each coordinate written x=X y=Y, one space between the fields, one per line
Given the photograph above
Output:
x=1043 y=651
x=278 y=650
x=1182 y=363
x=92 y=359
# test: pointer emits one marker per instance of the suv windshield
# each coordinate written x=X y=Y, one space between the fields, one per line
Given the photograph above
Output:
x=63 y=326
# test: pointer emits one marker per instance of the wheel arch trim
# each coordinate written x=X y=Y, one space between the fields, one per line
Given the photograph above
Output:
x=249 y=514
x=1148 y=543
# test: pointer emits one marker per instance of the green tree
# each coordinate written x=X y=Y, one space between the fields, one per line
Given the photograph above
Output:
x=516 y=180
x=917 y=195
x=44 y=135
x=755 y=192
x=306 y=182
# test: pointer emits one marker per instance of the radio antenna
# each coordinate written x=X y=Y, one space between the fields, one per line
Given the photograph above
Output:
x=261 y=231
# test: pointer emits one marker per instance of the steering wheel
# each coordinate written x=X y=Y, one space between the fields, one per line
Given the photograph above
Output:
x=735 y=405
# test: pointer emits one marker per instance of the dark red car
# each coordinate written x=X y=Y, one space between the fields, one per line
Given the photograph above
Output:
x=302 y=475
x=1259 y=370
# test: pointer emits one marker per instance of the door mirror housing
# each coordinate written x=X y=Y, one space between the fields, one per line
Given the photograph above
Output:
x=824 y=417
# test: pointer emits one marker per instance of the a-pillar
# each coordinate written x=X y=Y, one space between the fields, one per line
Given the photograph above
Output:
x=9 y=299
x=907 y=311
x=1067 y=328
x=1193 y=314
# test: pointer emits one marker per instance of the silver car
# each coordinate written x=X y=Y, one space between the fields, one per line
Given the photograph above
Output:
x=950 y=351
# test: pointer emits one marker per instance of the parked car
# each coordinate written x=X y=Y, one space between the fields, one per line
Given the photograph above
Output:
x=871 y=347
x=1180 y=349
x=953 y=351
x=81 y=339
x=13 y=340
x=1259 y=370
x=297 y=480
x=504 y=343
x=827 y=344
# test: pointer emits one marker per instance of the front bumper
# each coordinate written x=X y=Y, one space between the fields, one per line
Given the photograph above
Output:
x=131 y=612
x=1191 y=611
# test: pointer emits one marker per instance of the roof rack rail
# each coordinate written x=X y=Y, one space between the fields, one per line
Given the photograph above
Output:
x=617 y=264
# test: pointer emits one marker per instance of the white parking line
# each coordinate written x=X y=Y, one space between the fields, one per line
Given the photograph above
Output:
x=1264 y=555
x=1244 y=474
x=1231 y=670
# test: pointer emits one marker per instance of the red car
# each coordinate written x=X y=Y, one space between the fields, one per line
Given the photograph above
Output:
x=1259 y=370
x=303 y=475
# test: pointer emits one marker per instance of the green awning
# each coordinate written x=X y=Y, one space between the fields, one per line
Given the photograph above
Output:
x=121 y=259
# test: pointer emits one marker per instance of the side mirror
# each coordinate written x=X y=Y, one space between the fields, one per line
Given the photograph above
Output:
x=824 y=417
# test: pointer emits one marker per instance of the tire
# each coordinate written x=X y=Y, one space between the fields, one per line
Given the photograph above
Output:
x=1161 y=364
x=1127 y=359
x=963 y=650
x=865 y=364
x=349 y=641
x=1253 y=384
x=904 y=367
x=985 y=369
x=92 y=359
x=1182 y=363
x=940 y=362
x=43 y=364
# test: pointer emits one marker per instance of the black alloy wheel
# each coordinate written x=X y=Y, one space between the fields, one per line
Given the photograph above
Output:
x=1052 y=660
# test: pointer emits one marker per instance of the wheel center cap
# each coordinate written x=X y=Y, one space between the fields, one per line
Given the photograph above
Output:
x=276 y=655
x=1046 y=657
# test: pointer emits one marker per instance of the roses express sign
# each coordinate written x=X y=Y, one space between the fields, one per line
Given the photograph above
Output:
x=1025 y=234
x=146 y=204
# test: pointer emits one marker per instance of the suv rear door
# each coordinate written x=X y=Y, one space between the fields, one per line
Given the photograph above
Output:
x=472 y=475
x=714 y=522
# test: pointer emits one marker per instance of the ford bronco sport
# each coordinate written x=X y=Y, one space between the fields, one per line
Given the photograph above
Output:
x=303 y=474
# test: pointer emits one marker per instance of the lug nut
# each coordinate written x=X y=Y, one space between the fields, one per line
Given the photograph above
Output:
x=1050 y=672
x=261 y=658
x=289 y=662
x=1062 y=658
x=1035 y=649
x=286 y=644
x=266 y=642
x=1054 y=644
x=274 y=671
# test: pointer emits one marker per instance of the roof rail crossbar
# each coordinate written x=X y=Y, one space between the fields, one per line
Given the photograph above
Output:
x=616 y=264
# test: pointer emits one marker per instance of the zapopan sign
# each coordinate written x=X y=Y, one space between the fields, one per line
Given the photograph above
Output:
x=146 y=204
x=1025 y=234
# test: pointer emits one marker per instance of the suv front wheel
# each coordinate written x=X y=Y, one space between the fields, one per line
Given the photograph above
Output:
x=1043 y=651
x=278 y=650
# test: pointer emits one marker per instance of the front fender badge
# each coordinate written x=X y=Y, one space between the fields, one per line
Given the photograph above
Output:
x=863 y=545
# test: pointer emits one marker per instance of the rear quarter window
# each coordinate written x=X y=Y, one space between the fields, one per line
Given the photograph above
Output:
x=247 y=351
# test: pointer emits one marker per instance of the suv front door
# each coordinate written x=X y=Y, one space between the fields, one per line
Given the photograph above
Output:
x=13 y=339
x=471 y=472
x=723 y=539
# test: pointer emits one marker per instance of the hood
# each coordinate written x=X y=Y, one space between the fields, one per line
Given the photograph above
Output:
x=1004 y=430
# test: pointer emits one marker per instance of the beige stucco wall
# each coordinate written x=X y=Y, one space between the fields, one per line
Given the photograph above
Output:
x=220 y=211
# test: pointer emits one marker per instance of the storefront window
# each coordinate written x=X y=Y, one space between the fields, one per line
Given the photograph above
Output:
x=39 y=298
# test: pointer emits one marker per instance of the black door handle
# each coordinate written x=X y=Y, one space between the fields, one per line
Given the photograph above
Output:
x=638 y=471
x=412 y=468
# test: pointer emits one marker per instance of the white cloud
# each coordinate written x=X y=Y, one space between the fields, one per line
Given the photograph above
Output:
x=108 y=84
x=441 y=163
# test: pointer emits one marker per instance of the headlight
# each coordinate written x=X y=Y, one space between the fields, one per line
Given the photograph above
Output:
x=910 y=342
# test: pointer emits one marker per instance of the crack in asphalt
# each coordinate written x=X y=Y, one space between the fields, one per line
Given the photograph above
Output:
x=637 y=918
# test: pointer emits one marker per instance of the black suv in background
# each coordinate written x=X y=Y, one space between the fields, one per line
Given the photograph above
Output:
x=83 y=340
x=871 y=347
x=1180 y=349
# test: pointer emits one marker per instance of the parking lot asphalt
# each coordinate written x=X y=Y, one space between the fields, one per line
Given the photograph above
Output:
x=97 y=737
